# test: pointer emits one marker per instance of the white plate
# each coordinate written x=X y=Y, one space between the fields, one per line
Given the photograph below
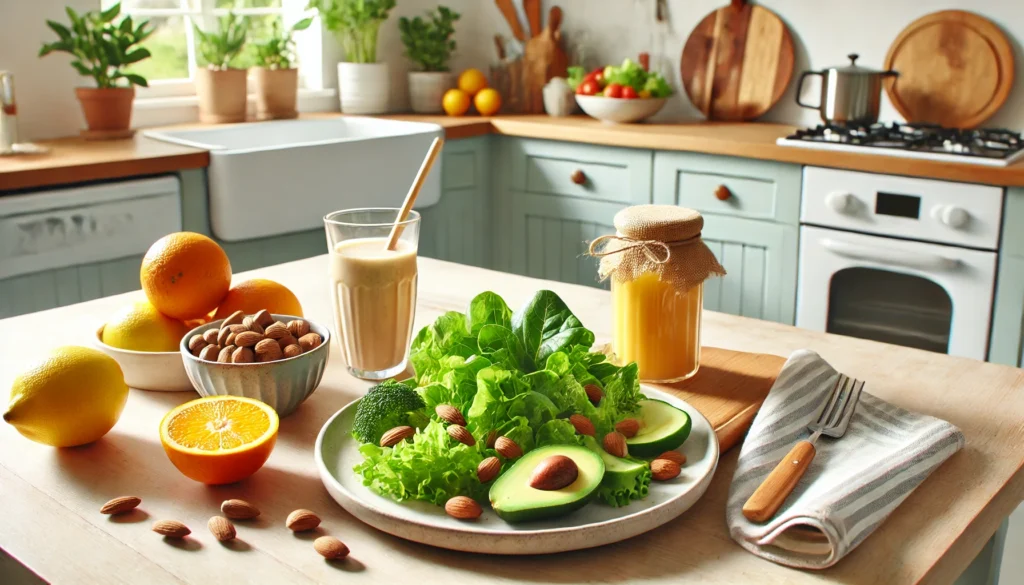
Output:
x=595 y=524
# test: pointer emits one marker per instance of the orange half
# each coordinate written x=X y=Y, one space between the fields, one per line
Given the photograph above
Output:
x=219 y=439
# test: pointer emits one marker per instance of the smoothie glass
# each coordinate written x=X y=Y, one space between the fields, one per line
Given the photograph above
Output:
x=373 y=289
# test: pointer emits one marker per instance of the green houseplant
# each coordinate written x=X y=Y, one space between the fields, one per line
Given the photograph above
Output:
x=220 y=87
x=103 y=46
x=277 y=80
x=429 y=44
x=364 y=84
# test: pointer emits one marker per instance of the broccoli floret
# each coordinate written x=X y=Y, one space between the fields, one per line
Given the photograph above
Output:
x=385 y=407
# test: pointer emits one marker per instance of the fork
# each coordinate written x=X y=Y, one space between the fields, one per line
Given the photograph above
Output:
x=832 y=421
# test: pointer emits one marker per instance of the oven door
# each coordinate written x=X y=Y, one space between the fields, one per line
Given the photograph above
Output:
x=927 y=296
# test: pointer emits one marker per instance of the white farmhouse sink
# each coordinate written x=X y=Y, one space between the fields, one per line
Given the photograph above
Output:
x=270 y=178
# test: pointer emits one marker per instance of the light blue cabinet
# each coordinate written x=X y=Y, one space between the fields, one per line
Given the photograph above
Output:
x=1006 y=341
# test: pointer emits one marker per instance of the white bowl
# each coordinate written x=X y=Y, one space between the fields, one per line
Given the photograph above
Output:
x=619 y=110
x=283 y=384
x=161 y=371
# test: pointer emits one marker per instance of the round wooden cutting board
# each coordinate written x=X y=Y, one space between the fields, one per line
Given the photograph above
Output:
x=955 y=69
x=737 y=62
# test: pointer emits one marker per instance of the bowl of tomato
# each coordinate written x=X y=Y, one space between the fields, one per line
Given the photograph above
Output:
x=619 y=94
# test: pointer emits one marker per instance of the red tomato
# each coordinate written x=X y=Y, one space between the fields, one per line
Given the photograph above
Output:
x=588 y=87
x=628 y=92
x=614 y=90
x=595 y=75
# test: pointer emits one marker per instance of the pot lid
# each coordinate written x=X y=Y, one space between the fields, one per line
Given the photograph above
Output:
x=854 y=69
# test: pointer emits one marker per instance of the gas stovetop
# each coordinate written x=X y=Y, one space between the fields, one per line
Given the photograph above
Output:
x=991 y=147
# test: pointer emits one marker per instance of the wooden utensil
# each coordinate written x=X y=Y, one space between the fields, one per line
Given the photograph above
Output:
x=544 y=58
x=414 y=191
x=955 y=69
x=499 y=44
x=508 y=10
x=737 y=62
x=532 y=10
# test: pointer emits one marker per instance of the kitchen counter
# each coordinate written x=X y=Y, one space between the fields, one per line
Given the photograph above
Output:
x=50 y=498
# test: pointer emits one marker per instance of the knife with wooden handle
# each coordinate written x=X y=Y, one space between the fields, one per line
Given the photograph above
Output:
x=508 y=10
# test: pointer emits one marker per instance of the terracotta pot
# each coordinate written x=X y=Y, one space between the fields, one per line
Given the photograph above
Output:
x=426 y=90
x=364 y=88
x=276 y=93
x=106 y=109
x=221 y=94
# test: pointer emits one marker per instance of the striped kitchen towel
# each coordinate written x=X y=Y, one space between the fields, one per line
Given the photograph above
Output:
x=853 y=483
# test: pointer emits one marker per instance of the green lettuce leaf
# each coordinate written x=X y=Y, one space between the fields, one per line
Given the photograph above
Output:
x=457 y=382
x=503 y=347
x=448 y=336
x=557 y=432
x=487 y=308
x=545 y=325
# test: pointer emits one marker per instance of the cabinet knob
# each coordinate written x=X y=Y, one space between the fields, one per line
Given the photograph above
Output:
x=578 y=177
x=722 y=193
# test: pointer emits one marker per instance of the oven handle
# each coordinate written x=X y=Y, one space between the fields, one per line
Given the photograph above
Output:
x=890 y=257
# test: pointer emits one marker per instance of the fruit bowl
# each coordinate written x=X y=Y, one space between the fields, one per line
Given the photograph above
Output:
x=160 y=371
x=283 y=384
x=618 y=110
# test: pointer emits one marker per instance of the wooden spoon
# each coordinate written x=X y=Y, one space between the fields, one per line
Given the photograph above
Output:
x=414 y=192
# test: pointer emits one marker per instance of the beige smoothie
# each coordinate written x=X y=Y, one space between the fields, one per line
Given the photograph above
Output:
x=374 y=293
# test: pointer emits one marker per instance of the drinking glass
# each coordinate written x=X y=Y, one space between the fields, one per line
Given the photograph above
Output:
x=373 y=289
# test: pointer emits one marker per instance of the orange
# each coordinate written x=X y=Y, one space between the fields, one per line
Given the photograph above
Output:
x=471 y=81
x=253 y=295
x=185 y=275
x=219 y=439
x=455 y=102
x=140 y=327
x=487 y=102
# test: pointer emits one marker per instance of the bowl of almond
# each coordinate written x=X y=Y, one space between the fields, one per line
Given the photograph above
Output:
x=277 y=359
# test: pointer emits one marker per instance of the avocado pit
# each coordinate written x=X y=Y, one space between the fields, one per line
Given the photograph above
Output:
x=554 y=473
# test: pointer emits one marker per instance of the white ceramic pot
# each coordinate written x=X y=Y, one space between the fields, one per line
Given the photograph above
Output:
x=364 y=88
x=426 y=90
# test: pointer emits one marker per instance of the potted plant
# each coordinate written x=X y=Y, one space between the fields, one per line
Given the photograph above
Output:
x=364 y=85
x=102 y=46
x=220 y=87
x=429 y=44
x=277 y=81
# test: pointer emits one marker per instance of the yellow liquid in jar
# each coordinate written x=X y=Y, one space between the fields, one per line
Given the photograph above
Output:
x=657 y=327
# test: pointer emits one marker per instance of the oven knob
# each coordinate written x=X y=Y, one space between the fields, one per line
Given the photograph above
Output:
x=839 y=202
x=951 y=215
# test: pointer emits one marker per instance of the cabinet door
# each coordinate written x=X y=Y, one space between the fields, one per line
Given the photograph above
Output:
x=760 y=259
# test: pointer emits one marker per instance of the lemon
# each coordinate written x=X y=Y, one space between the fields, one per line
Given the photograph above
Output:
x=472 y=81
x=72 y=397
x=140 y=327
x=487 y=102
x=455 y=102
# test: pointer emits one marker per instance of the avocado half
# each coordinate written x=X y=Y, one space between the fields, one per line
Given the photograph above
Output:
x=664 y=428
x=515 y=501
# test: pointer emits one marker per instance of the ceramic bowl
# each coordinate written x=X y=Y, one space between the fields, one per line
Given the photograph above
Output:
x=160 y=371
x=617 y=110
x=283 y=384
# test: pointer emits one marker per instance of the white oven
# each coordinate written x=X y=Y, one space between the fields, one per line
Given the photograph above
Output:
x=899 y=260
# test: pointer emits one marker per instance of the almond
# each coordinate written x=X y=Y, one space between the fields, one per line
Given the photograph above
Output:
x=461 y=434
x=628 y=427
x=583 y=425
x=248 y=339
x=233 y=319
x=554 y=473
x=238 y=328
x=615 y=444
x=263 y=318
x=664 y=469
x=268 y=350
x=302 y=520
x=488 y=469
x=251 y=325
x=291 y=351
x=673 y=456
x=243 y=355
x=594 y=393
x=310 y=341
x=491 y=438
x=224 y=356
x=330 y=547
x=449 y=413
x=196 y=343
x=210 y=353
x=276 y=330
x=463 y=508
x=210 y=336
x=221 y=528
x=171 y=528
x=222 y=336
x=298 y=328
x=507 y=448
x=239 y=509
x=396 y=436
x=287 y=340
x=120 y=505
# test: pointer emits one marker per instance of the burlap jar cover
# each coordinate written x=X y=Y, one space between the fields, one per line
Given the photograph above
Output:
x=662 y=239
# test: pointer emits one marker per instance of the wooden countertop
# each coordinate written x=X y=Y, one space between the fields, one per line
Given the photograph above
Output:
x=50 y=498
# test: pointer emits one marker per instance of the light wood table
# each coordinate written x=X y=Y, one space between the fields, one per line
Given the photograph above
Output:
x=50 y=499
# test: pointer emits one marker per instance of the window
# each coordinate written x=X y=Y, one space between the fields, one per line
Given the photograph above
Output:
x=174 y=59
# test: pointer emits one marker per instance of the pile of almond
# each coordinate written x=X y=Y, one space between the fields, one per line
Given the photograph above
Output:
x=243 y=339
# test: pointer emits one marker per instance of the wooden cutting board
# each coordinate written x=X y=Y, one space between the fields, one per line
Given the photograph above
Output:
x=543 y=58
x=955 y=69
x=737 y=62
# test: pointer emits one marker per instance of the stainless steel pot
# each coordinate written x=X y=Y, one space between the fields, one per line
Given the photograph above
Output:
x=848 y=94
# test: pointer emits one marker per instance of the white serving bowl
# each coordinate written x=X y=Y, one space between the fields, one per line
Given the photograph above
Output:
x=283 y=384
x=619 y=110
x=160 y=371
